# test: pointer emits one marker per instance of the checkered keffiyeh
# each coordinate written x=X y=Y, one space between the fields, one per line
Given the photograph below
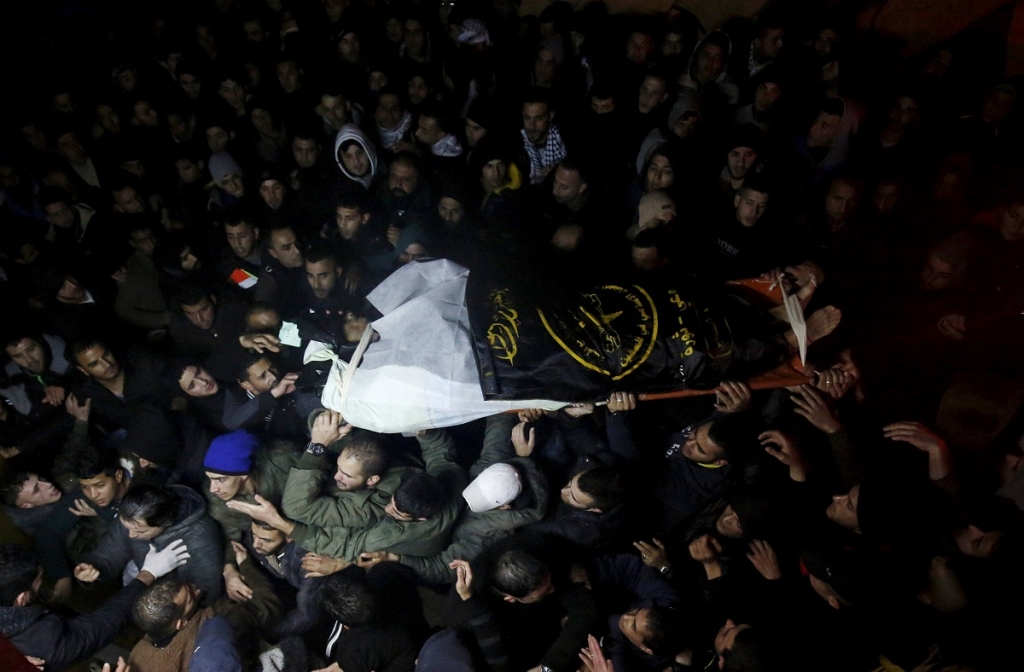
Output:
x=549 y=153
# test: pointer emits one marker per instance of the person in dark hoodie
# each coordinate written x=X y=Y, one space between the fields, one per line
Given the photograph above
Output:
x=60 y=641
x=707 y=74
x=154 y=517
x=282 y=276
x=37 y=380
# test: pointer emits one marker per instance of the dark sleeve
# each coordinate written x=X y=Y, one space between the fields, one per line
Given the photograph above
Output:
x=112 y=553
x=304 y=616
x=629 y=572
x=620 y=437
x=474 y=616
x=50 y=428
x=581 y=619
x=215 y=648
x=845 y=455
x=86 y=634
x=248 y=413
x=50 y=540
x=582 y=436
x=205 y=566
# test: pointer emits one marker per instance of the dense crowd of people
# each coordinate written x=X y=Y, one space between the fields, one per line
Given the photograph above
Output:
x=192 y=192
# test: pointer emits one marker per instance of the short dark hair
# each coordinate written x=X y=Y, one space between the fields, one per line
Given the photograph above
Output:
x=246 y=360
x=154 y=505
x=420 y=496
x=750 y=652
x=755 y=183
x=92 y=462
x=369 y=450
x=570 y=163
x=664 y=626
x=734 y=434
x=605 y=485
x=352 y=201
x=19 y=332
x=434 y=111
x=11 y=486
x=83 y=344
x=51 y=195
x=406 y=159
x=191 y=293
x=319 y=251
x=518 y=573
x=537 y=95
x=348 y=597
x=155 y=611
x=19 y=567
x=657 y=238
x=238 y=216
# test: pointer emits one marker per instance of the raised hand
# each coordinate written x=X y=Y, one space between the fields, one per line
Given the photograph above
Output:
x=463 y=578
x=653 y=554
x=786 y=452
x=159 y=563
x=705 y=549
x=621 y=402
x=812 y=406
x=915 y=434
x=285 y=386
x=54 y=395
x=260 y=342
x=762 y=556
x=522 y=443
x=236 y=587
x=593 y=658
x=732 y=397
x=82 y=509
x=76 y=410
x=86 y=573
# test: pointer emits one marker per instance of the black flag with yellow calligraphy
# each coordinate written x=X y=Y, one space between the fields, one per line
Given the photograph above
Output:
x=582 y=346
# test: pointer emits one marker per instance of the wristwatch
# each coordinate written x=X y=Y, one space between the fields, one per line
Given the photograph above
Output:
x=316 y=449
x=665 y=569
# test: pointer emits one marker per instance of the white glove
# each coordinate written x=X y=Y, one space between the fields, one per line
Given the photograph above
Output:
x=160 y=563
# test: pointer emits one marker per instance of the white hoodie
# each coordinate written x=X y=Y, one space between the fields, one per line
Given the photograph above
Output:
x=353 y=132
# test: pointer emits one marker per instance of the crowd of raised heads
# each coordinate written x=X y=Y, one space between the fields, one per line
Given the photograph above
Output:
x=191 y=192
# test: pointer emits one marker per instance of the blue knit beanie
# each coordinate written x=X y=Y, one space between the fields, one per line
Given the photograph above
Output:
x=231 y=454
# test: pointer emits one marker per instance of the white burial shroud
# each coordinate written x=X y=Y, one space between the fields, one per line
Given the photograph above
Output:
x=421 y=373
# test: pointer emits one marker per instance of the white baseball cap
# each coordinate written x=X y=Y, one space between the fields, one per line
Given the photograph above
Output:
x=496 y=486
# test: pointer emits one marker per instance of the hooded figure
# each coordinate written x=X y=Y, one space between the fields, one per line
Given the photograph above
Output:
x=827 y=150
x=686 y=107
x=707 y=70
x=350 y=133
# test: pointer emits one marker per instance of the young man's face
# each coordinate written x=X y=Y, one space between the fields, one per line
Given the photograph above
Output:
x=639 y=47
x=322 y=276
x=189 y=172
x=841 y=201
x=633 y=624
x=740 y=160
x=700 y=448
x=349 y=475
x=710 y=63
x=574 y=497
x=418 y=90
x=728 y=524
x=389 y=111
x=30 y=355
x=71 y=291
x=750 y=206
x=267 y=542
x=349 y=221
x=474 y=132
x=305 y=151
x=843 y=509
x=233 y=184
x=127 y=201
x=450 y=211
x=241 y=239
x=233 y=93
x=660 y=174
x=334 y=110
x=494 y=175
x=288 y=76
x=355 y=159
x=765 y=96
x=217 y=139
x=99 y=363
x=102 y=489
x=536 y=120
x=191 y=85
x=139 y=529
x=824 y=130
x=393 y=512
x=272 y=192
x=568 y=185
x=36 y=492
x=196 y=381
x=284 y=247
x=653 y=92
x=225 y=487
x=201 y=314
x=143 y=241
x=428 y=131
x=262 y=376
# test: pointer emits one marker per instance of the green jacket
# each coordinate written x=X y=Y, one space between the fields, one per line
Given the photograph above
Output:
x=271 y=473
x=475 y=531
x=421 y=538
x=303 y=502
